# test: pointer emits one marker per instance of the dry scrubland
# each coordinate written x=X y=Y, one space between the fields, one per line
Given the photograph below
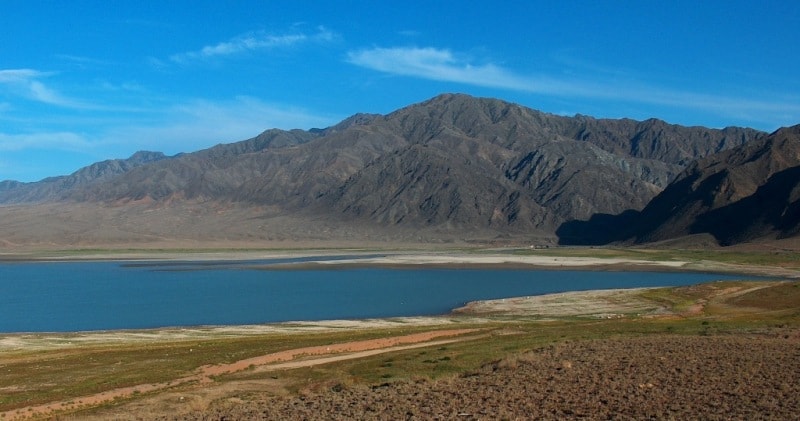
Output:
x=728 y=350
x=654 y=377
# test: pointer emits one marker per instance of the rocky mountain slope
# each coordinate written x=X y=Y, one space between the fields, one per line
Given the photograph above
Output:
x=53 y=188
x=746 y=193
x=454 y=164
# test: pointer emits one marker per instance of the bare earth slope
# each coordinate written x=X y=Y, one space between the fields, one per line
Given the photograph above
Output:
x=658 y=377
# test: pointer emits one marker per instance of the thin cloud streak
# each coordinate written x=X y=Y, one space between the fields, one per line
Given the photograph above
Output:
x=198 y=124
x=185 y=127
x=26 y=83
x=252 y=42
x=82 y=61
x=19 y=75
x=444 y=65
x=65 y=141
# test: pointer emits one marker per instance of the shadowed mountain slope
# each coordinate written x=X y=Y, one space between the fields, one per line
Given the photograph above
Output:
x=746 y=193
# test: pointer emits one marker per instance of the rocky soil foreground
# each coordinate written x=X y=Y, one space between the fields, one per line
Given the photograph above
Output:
x=656 y=377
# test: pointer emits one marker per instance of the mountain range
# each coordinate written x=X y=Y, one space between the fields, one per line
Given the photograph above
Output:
x=453 y=168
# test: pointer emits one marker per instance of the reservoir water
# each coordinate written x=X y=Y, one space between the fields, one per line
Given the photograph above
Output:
x=82 y=296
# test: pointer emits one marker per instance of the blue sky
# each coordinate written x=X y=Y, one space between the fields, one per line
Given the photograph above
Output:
x=83 y=81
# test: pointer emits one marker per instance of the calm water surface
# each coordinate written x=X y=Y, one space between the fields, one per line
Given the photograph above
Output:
x=80 y=296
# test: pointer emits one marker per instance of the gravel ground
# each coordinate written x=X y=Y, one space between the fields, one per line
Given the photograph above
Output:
x=727 y=377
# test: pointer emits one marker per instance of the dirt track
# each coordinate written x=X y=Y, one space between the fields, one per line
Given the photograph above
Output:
x=292 y=358
x=658 y=377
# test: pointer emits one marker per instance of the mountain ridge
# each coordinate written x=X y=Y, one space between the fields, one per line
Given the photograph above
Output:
x=453 y=164
x=50 y=188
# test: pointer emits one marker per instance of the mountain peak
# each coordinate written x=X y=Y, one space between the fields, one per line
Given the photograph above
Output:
x=146 y=156
x=359 y=119
x=792 y=132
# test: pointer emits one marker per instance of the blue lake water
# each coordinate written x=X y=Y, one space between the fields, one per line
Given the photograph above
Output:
x=81 y=296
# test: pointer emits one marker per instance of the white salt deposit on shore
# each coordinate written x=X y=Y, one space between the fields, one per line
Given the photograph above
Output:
x=47 y=341
x=498 y=259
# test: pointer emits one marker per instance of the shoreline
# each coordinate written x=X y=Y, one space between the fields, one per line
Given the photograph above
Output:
x=36 y=341
x=396 y=258
x=327 y=260
x=352 y=258
x=589 y=304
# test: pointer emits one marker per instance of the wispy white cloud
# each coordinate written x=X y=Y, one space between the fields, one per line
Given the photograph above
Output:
x=178 y=127
x=34 y=156
x=27 y=83
x=253 y=41
x=83 y=61
x=42 y=93
x=200 y=123
x=753 y=109
x=445 y=65
x=185 y=126
x=19 y=75
x=53 y=141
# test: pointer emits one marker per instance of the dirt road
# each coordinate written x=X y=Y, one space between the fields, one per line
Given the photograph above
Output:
x=283 y=360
